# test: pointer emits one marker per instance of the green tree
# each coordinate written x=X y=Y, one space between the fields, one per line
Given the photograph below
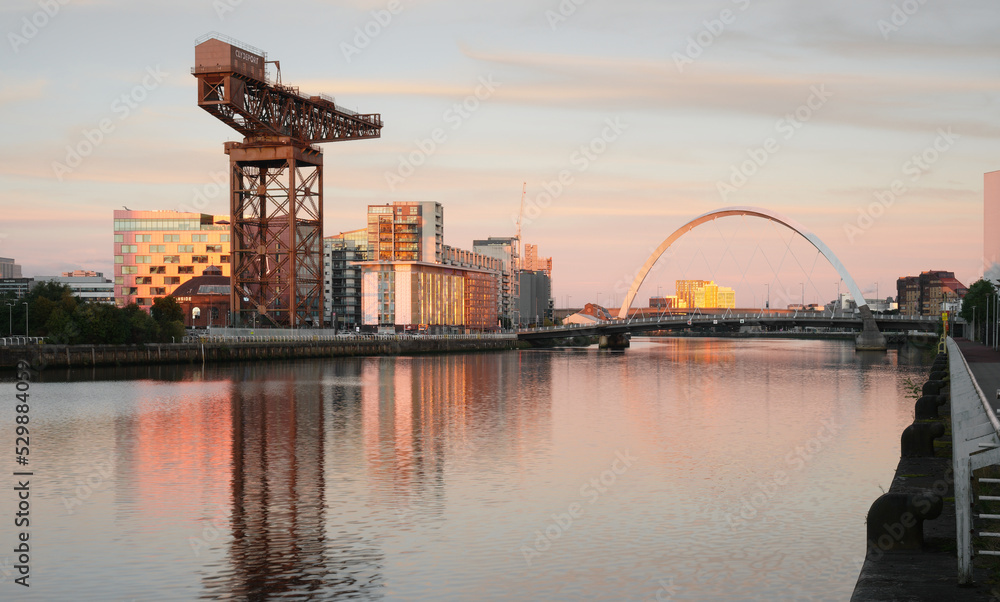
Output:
x=166 y=310
x=974 y=304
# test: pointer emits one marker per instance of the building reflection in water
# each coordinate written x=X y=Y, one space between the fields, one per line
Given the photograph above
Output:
x=328 y=458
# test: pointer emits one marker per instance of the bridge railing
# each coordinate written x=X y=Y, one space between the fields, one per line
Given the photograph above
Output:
x=708 y=318
x=975 y=445
x=21 y=341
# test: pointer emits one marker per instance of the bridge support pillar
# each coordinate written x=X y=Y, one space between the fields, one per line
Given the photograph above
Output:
x=870 y=339
x=614 y=341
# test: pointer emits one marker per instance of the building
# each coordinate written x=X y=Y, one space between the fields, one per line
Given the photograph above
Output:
x=705 y=294
x=929 y=293
x=16 y=287
x=205 y=299
x=85 y=284
x=157 y=251
x=535 y=303
x=534 y=263
x=406 y=296
x=9 y=269
x=590 y=315
x=342 y=278
x=505 y=249
x=406 y=231
x=667 y=302
x=991 y=225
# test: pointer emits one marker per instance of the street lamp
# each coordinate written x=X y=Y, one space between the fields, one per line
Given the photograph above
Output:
x=10 y=318
x=25 y=304
x=768 y=304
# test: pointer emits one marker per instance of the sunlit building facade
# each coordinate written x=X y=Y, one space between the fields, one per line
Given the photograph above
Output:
x=406 y=231
x=342 y=278
x=705 y=294
x=406 y=295
x=157 y=251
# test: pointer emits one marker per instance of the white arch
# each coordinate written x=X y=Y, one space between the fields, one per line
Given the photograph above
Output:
x=852 y=288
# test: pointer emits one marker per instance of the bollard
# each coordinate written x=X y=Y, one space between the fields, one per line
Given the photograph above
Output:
x=896 y=521
x=918 y=439
x=934 y=387
x=938 y=375
x=927 y=407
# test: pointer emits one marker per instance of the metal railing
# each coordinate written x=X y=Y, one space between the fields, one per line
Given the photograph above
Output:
x=710 y=318
x=975 y=444
x=20 y=341
x=342 y=338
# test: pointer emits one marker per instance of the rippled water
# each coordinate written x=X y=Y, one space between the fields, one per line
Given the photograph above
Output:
x=688 y=469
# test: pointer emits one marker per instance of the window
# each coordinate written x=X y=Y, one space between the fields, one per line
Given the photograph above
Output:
x=172 y=280
x=199 y=238
x=185 y=248
x=157 y=269
x=171 y=238
x=119 y=238
x=185 y=269
x=143 y=238
x=224 y=259
x=199 y=259
x=144 y=280
x=171 y=259
x=144 y=259
x=130 y=248
x=130 y=269
x=142 y=302
x=157 y=290
x=130 y=290
x=213 y=248
x=157 y=248
x=119 y=259
x=224 y=238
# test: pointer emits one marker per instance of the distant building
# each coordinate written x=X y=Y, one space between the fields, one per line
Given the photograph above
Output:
x=705 y=294
x=590 y=314
x=406 y=231
x=534 y=263
x=157 y=251
x=342 y=278
x=535 y=304
x=928 y=293
x=667 y=302
x=205 y=299
x=85 y=284
x=991 y=225
x=9 y=269
x=505 y=249
x=16 y=287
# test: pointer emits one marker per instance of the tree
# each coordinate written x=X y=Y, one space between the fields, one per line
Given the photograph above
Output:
x=166 y=310
x=974 y=303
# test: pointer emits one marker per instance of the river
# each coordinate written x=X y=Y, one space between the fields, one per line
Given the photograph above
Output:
x=680 y=469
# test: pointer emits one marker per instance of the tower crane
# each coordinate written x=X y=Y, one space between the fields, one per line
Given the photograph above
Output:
x=276 y=179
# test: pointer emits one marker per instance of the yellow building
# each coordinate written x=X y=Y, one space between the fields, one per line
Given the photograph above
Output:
x=705 y=294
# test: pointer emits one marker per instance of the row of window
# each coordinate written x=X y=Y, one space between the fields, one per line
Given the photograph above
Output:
x=163 y=249
x=169 y=259
x=170 y=238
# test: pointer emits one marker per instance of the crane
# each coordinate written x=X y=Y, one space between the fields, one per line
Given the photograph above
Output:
x=276 y=179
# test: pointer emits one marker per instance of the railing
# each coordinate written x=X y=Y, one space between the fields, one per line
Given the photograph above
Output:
x=975 y=445
x=706 y=318
x=20 y=341
x=345 y=337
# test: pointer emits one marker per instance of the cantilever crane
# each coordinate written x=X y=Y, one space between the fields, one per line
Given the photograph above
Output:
x=276 y=180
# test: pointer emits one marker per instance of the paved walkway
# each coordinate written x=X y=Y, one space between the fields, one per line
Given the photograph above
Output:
x=985 y=365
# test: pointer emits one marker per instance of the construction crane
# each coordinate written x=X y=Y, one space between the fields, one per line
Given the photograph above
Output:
x=276 y=180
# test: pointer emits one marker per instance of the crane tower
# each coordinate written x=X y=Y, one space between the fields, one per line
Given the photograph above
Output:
x=276 y=180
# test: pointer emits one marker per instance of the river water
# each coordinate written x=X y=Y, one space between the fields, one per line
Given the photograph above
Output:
x=681 y=469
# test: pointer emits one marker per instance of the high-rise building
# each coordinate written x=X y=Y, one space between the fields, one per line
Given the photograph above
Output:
x=157 y=251
x=705 y=294
x=343 y=278
x=534 y=263
x=406 y=231
x=991 y=225
x=926 y=294
x=9 y=269
x=535 y=303
x=505 y=249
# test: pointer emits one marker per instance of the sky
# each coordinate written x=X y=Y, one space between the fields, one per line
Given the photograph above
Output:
x=870 y=122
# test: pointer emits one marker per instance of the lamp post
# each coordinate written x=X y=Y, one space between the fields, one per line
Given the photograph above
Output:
x=10 y=319
x=25 y=304
x=767 y=304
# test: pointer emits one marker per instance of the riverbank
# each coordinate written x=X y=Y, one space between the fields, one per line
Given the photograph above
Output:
x=912 y=542
x=76 y=356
